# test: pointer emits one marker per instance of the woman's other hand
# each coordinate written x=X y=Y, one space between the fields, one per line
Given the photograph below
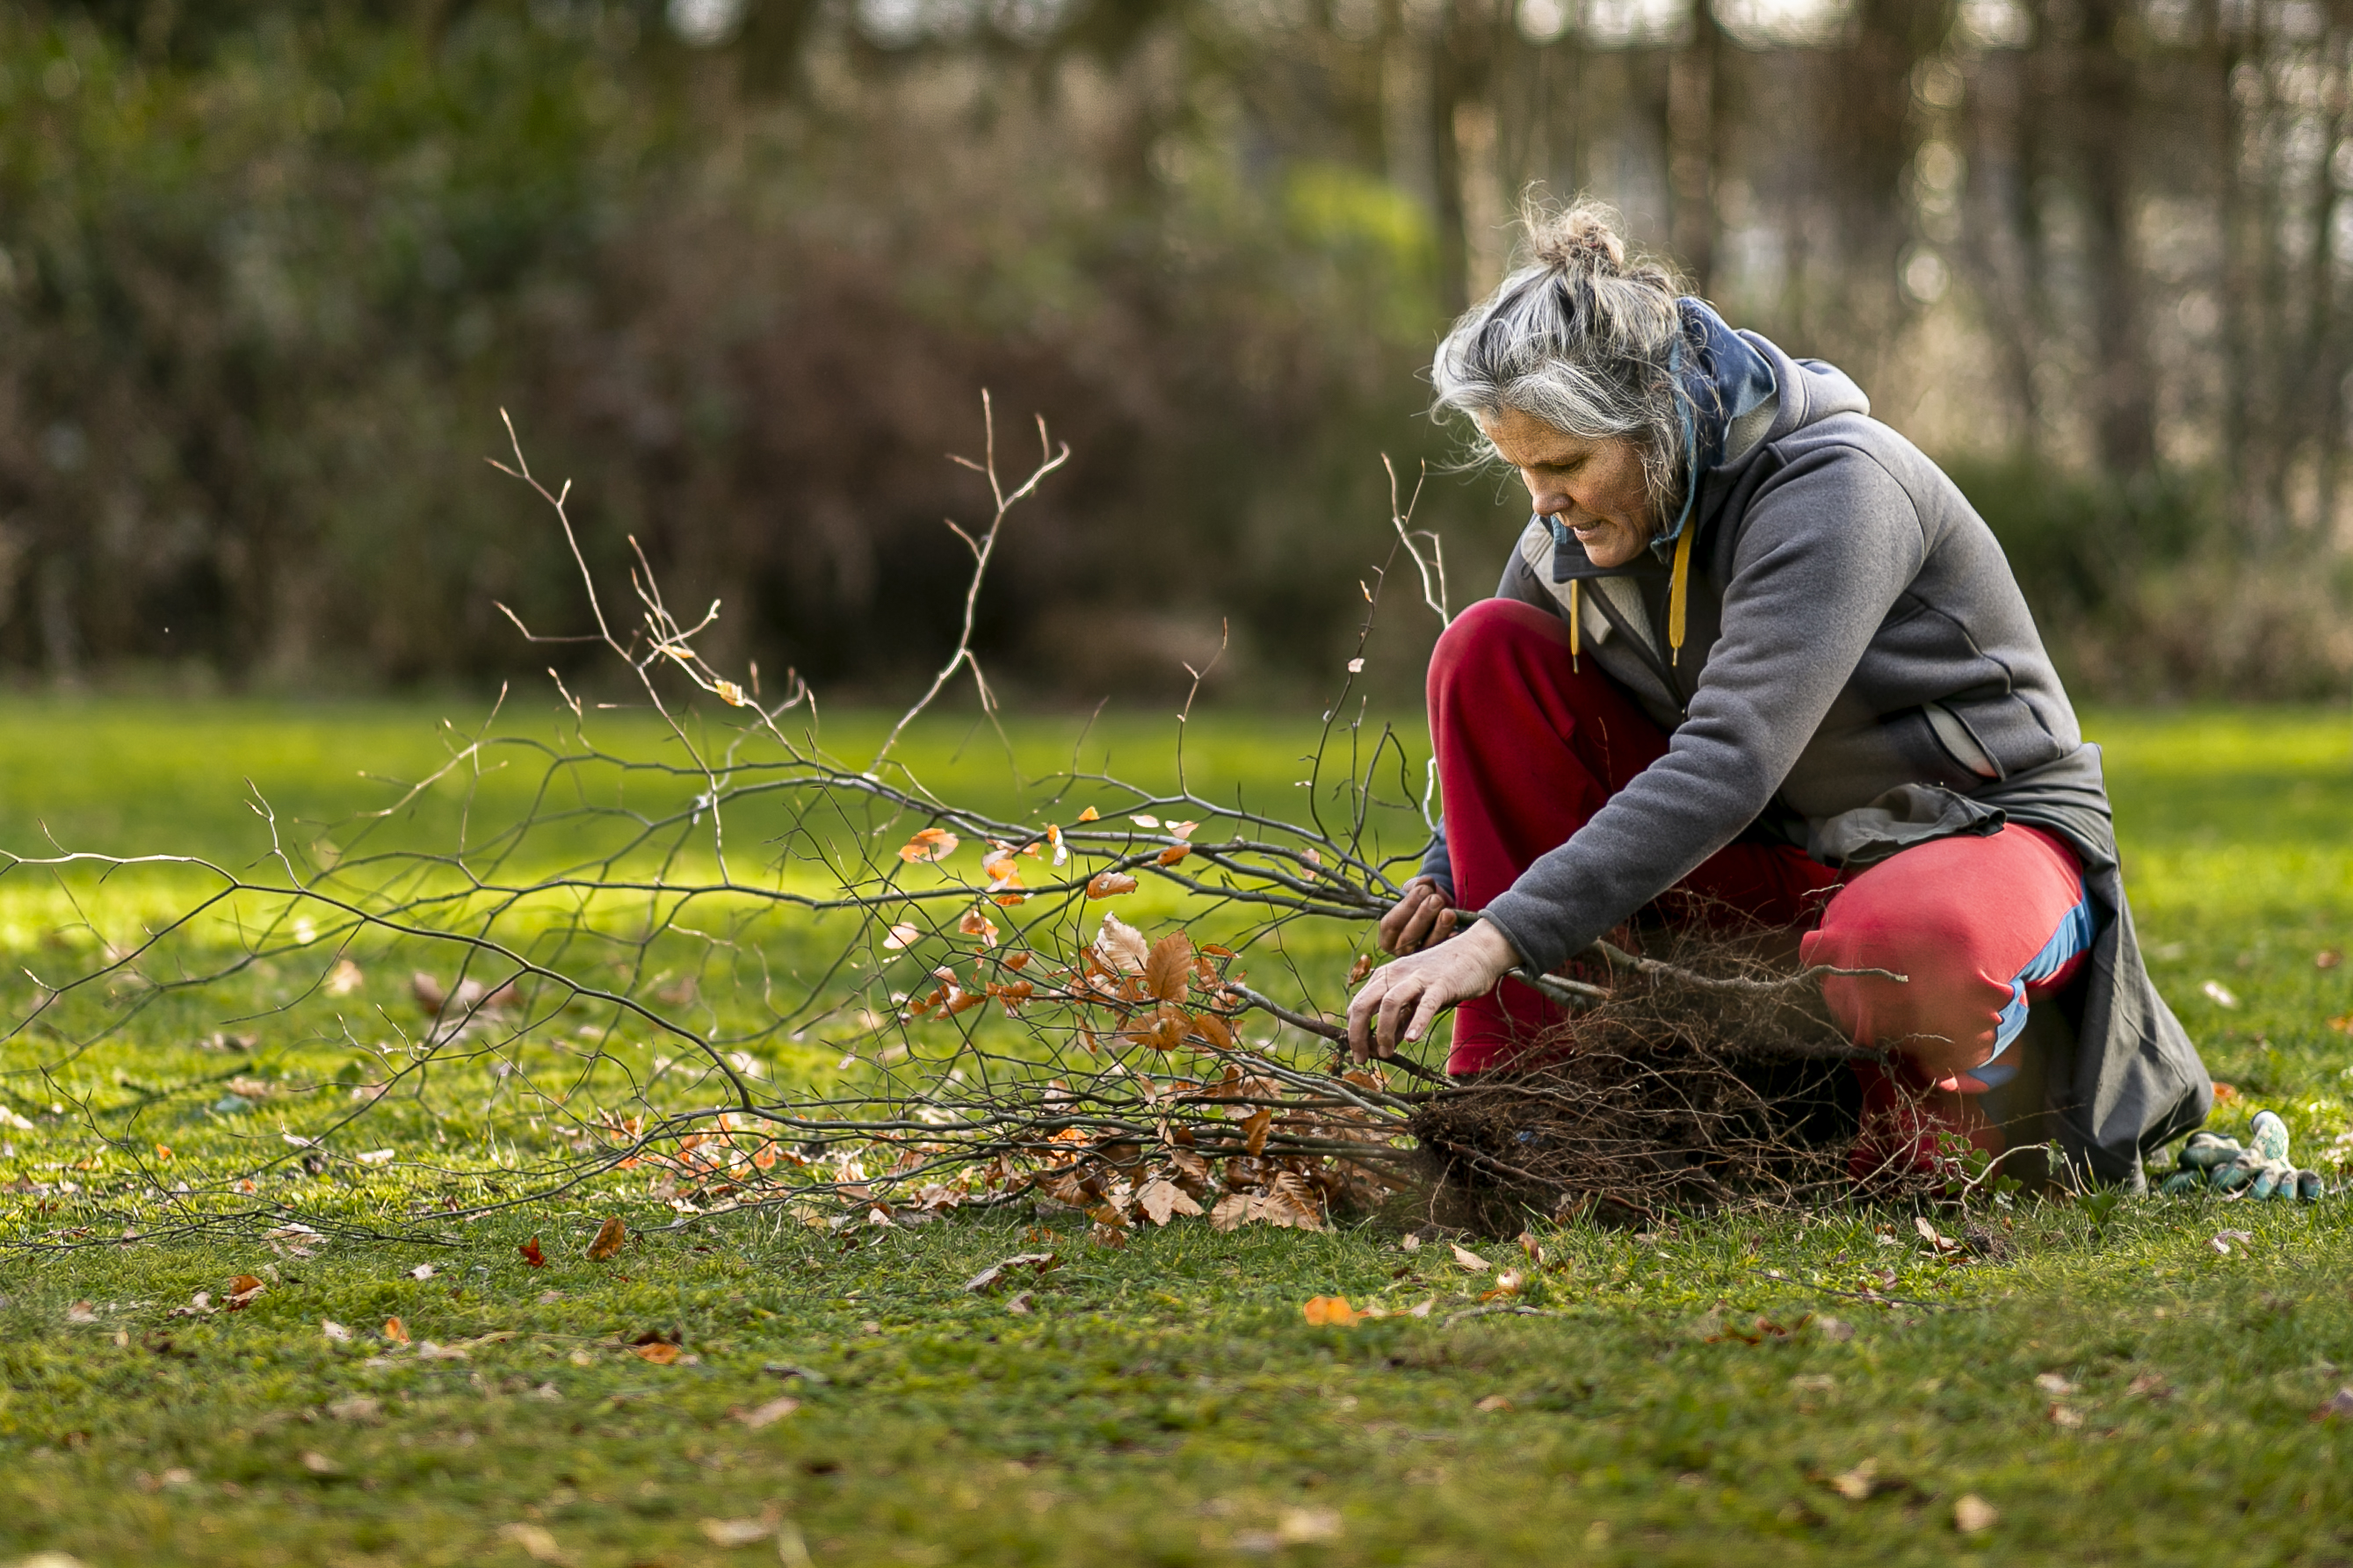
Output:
x=1401 y=1000
x=1423 y=915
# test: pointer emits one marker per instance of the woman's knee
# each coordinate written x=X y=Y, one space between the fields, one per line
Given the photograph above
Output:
x=1492 y=634
x=1963 y=922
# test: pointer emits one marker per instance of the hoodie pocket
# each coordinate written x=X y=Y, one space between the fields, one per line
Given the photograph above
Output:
x=2006 y=730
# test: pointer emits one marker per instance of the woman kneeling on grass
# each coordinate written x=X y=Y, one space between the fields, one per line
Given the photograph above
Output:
x=1756 y=653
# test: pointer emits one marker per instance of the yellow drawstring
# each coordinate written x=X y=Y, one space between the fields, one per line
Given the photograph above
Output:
x=1575 y=635
x=1679 y=595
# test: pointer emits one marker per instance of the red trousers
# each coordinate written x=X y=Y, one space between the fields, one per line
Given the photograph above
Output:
x=1529 y=749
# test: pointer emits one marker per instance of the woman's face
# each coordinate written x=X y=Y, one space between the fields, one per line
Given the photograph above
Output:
x=1593 y=486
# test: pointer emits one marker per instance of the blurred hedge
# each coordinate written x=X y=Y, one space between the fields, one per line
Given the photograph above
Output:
x=265 y=291
x=268 y=274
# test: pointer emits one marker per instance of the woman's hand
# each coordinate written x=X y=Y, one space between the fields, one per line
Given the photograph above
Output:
x=1401 y=1000
x=1423 y=915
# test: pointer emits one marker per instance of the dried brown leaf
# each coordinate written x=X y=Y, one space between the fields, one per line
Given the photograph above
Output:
x=931 y=844
x=767 y=1414
x=1254 y=1129
x=1168 y=969
x=609 y=1237
x=1162 y=1198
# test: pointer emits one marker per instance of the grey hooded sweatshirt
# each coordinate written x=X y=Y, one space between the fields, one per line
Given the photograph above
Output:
x=1858 y=674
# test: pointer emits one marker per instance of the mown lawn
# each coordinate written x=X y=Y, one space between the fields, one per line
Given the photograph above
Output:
x=2145 y=1389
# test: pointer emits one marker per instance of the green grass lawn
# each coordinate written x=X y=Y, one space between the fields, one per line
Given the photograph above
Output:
x=1713 y=1392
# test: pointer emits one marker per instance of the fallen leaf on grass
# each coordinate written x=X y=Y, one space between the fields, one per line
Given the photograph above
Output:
x=1331 y=1311
x=2225 y=1092
x=1836 y=1330
x=1466 y=1258
x=82 y=1312
x=1307 y=1526
x=2052 y=1382
x=609 y=1237
x=1494 y=1403
x=768 y=1415
x=395 y=1331
x=428 y=1350
x=422 y=1272
x=1860 y=1483
x=1018 y=1305
x=1162 y=1198
x=990 y=1277
x=535 y=1541
x=2222 y=1239
x=334 y=1330
x=532 y=1254
x=657 y=1353
x=2339 y=1408
x=243 y=1291
x=1510 y=1282
x=1972 y=1513
x=1929 y=1234
x=318 y=1464
x=360 y=1407
x=738 y=1532
x=2066 y=1416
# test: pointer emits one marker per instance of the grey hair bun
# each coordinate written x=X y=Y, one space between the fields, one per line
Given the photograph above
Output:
x=1583 y=335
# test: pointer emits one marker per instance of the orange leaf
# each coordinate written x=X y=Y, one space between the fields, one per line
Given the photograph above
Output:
x=1214 y=950
x=1109 y=884
x=1174 y=853
x=1332 y=1311
x=1164 y=1030
x=1254 y=1128
x=532 y=1254
x=1182 y=829
x=974 y=923
x=1213 y=1030
x=657 y=1353
x=1089 y=815
x=1017 y=960
x=1004 y=868
x=931 y=844
x=242 y=1290
x=609 y=1237
x=1362 y=967
x=395 y=1331
x=1162 y=1197
x=1168 y=972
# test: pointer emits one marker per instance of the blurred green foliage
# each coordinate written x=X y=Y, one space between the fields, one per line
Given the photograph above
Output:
x=271 y=273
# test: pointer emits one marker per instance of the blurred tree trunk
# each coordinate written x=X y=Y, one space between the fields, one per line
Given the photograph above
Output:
x=1698 y=121
x=1450 y=88
x=2101 y=97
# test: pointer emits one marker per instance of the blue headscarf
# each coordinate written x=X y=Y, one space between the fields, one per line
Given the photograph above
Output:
x=1725 y=380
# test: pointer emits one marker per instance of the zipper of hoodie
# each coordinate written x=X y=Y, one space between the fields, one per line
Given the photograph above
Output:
x=1650 y=652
